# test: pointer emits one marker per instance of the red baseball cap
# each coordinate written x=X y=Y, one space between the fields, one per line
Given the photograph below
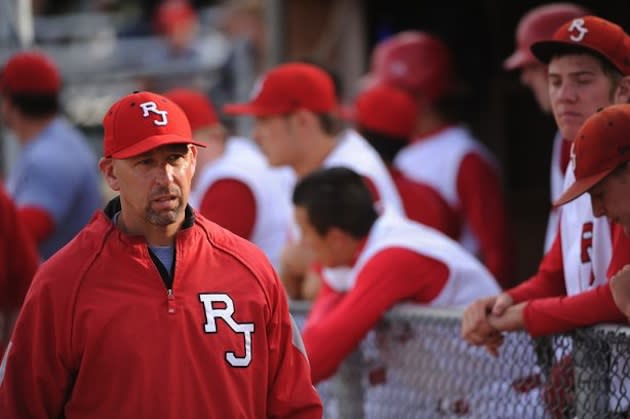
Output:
x=30 y=72
x=414 y=61
x=287 y=88
x=591 y=33
x=142 y=121
x=539 y=24
x=386 y=109
x=173 y=13
x=601 y=145
x=198 y=108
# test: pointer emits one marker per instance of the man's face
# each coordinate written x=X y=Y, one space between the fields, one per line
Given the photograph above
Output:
x=611 y=198
x=154 y=186
x=323 y=246
x=578 y=87
x=275 y=137
x=534 y=76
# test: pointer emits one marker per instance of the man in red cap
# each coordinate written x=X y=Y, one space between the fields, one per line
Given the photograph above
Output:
x=385 y=116
x=602 y=153
x=152 y=297
x=443 y=152
x=295 y=112
x=539 y=24
x=589 y=68
x=54 y=181
x=234 y=186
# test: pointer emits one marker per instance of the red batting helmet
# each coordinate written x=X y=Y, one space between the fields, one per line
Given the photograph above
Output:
x=416 y=62
x=536 y=25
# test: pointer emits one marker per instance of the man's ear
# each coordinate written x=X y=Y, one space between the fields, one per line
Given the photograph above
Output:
x=622 y=92
x=106 y=165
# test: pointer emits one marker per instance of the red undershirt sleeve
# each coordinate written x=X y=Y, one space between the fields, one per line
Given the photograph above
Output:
x=231 y=204
x=560 y=314
x=548 y=281
x=483 y=204
x=37 y=222
x=393 y=275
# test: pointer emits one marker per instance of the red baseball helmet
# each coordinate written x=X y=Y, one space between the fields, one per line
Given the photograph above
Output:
x=536 y=25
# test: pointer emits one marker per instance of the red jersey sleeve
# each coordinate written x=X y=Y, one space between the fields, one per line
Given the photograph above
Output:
x=560 y=314
x=231 y=204
x=393 y=275
x=38 y=222
x=483 y=204
x=548 y=281
x=291 y=393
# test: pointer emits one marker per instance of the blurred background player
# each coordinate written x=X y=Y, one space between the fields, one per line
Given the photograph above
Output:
x=234 y=186
x=54 y=181
x=443 y=153
x=19 y=260
x=296 y=124
x=538 y=24
x=386 y=116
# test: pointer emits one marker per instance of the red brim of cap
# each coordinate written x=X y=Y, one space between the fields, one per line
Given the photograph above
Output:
x=580 y=187
x=544 y=50
x=152 y=142
x=518 y=59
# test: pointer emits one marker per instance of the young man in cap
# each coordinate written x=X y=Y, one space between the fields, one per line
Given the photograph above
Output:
x=295 y=108
x=602 y=153
x=589 y=68
x=443 y=152
x=539 y=24
x=234 y=186
x=385 y=116
x=54 y=181
x=152 y=297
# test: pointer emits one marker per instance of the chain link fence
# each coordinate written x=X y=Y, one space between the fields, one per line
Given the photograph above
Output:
x=415 y=365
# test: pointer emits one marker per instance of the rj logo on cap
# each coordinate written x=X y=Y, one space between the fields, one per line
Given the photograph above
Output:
x=148 y=107
x=577 y=25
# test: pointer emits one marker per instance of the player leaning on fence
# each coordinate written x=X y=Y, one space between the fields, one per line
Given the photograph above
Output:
x=589 y=68
x=152 y=311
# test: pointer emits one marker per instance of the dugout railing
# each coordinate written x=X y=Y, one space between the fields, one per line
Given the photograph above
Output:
x=415 y=365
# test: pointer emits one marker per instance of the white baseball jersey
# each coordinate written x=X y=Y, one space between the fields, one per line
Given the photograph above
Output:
x=436 y=161
x=556 y=175
x=243 y=161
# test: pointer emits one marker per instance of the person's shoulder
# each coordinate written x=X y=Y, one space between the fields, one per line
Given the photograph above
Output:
x=241 y=251
x=79 y=253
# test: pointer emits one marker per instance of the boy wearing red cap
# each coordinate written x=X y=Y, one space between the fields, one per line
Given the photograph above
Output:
x=234 y=186
x=602 y=153
x=54 y=180
x=385 y=116
x=589 y=68
x=295 y=108
x=443 y=152
x=539 y=24
x=152 y=297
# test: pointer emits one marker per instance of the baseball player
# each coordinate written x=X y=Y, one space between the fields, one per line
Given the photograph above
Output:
x=386 y=117
x=588 y=69
x=443 y=152
x=601 y=169
x=536 y=25
x=54 y=181
x=152 y=297
x=295 y=108
x=19 y=260
x=235 y=187
x=391 y=260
